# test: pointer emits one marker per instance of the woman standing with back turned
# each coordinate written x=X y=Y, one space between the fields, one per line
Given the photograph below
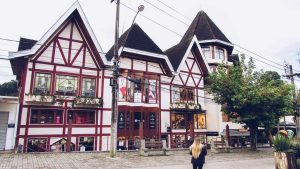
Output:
x=198 y=152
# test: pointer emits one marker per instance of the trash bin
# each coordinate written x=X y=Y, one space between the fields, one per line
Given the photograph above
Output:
x=20 y=148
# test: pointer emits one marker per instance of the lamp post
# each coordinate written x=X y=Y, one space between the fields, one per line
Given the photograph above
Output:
x=114 y=84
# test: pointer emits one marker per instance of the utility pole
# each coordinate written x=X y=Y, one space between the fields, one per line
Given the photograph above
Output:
x=295 y=102
x=114 y=83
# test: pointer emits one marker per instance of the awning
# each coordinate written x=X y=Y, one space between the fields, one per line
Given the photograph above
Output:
x=236 y=133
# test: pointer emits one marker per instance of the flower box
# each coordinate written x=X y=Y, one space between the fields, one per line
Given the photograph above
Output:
x=39 y=98
x=88 y=101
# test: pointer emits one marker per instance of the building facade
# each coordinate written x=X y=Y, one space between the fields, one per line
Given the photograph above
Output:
x=9 y=107
x=65 y=93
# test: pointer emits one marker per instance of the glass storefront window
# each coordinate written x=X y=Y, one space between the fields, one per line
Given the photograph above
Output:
x=46 y=116
x=66 y=85
x=42 y=84
x=86 y=144
x=82 y=116
x=60 y=146
x=178 y=121
x=88 y=87
x=37 y=145
x=199 y=121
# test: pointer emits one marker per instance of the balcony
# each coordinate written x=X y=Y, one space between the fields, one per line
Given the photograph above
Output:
x=88 y=101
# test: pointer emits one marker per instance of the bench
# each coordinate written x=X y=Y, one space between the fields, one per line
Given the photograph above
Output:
x=153 y=147
x=219 y=145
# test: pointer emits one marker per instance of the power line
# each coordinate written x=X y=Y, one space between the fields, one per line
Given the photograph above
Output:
x=173 y=9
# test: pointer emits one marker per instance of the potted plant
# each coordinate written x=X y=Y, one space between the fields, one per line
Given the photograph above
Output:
x=284 y=156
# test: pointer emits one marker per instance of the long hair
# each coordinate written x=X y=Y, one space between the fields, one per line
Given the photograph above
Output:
x=196 y=148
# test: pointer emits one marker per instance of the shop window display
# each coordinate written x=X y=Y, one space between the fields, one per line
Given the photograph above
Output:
x=82 y=116
x=178 y=121
x=46 y=116
x=88 y=87
x=60 y=146
x=86 y=144
x=66 y=85
x=37 y=145
x=42 y=84
x=200 y=121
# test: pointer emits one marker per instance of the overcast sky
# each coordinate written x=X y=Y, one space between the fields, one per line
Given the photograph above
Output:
x=269 y=28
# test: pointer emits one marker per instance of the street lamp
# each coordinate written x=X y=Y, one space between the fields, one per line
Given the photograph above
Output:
x=114 y=81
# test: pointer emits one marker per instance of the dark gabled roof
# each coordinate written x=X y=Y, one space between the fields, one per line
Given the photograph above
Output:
x=136 y=39
x=25 y=44
x=204 y=29
x=176 y=53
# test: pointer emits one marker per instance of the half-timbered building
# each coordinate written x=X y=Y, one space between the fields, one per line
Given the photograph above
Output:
x=65 y=92
x=61 y=78
x=142 y=64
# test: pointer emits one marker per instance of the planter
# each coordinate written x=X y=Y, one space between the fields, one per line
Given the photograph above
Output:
x=285 y=160
x=39 y=99
x=89 y=102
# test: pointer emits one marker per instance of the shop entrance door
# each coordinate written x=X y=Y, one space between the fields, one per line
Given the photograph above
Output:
x=3 y=129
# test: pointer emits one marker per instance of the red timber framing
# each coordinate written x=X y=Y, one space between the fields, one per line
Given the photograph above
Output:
x=190 y=77
x=69 y=51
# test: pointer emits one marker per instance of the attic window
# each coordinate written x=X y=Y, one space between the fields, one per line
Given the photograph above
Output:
x=219 y=53
x=207 y=52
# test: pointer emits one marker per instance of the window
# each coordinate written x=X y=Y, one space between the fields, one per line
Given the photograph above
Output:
x=42 y=83
x=61 y=146
x=37 y=145
x=178 y=121
x=46 y=116
x=88 y=87
x=187 y=94
x=86 y=144
x=82 y=116
x=200 y=121
x=206 y=52
x=137 y=119
x=176 y=94
x=219 y=53
x=66 y=85
x=151 y=92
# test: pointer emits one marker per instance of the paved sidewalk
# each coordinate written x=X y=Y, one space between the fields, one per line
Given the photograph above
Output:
x=261 y=159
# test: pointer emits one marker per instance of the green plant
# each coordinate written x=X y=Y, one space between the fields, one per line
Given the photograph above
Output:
x=282 y=143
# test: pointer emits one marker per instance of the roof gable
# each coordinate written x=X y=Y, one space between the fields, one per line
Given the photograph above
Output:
x=74 y=11
x=178 y=54
x=204 y=29
x=135 y=38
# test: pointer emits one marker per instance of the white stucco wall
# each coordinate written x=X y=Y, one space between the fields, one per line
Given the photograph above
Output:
x=10 y=105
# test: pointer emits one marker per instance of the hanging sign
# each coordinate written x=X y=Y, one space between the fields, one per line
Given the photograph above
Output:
x=121 y=120
x=152 y=91
x=122 y=89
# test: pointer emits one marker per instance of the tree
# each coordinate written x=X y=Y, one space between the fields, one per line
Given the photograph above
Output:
x=9 y=88
x=255 y=97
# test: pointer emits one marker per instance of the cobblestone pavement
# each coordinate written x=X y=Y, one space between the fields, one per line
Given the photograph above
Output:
x=261 y=159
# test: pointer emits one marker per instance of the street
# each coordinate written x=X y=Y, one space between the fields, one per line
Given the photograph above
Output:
x=244 y=159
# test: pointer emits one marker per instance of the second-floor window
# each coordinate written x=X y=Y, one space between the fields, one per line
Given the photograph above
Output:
x=181 y=94
x=88 y=87
x=42 y=83
x=219 y=54
x=66 y=85
x=46 y=116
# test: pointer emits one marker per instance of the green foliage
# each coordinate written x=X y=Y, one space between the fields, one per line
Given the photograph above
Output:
x=9 y=88
x=257 y=98
x=282 y=143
